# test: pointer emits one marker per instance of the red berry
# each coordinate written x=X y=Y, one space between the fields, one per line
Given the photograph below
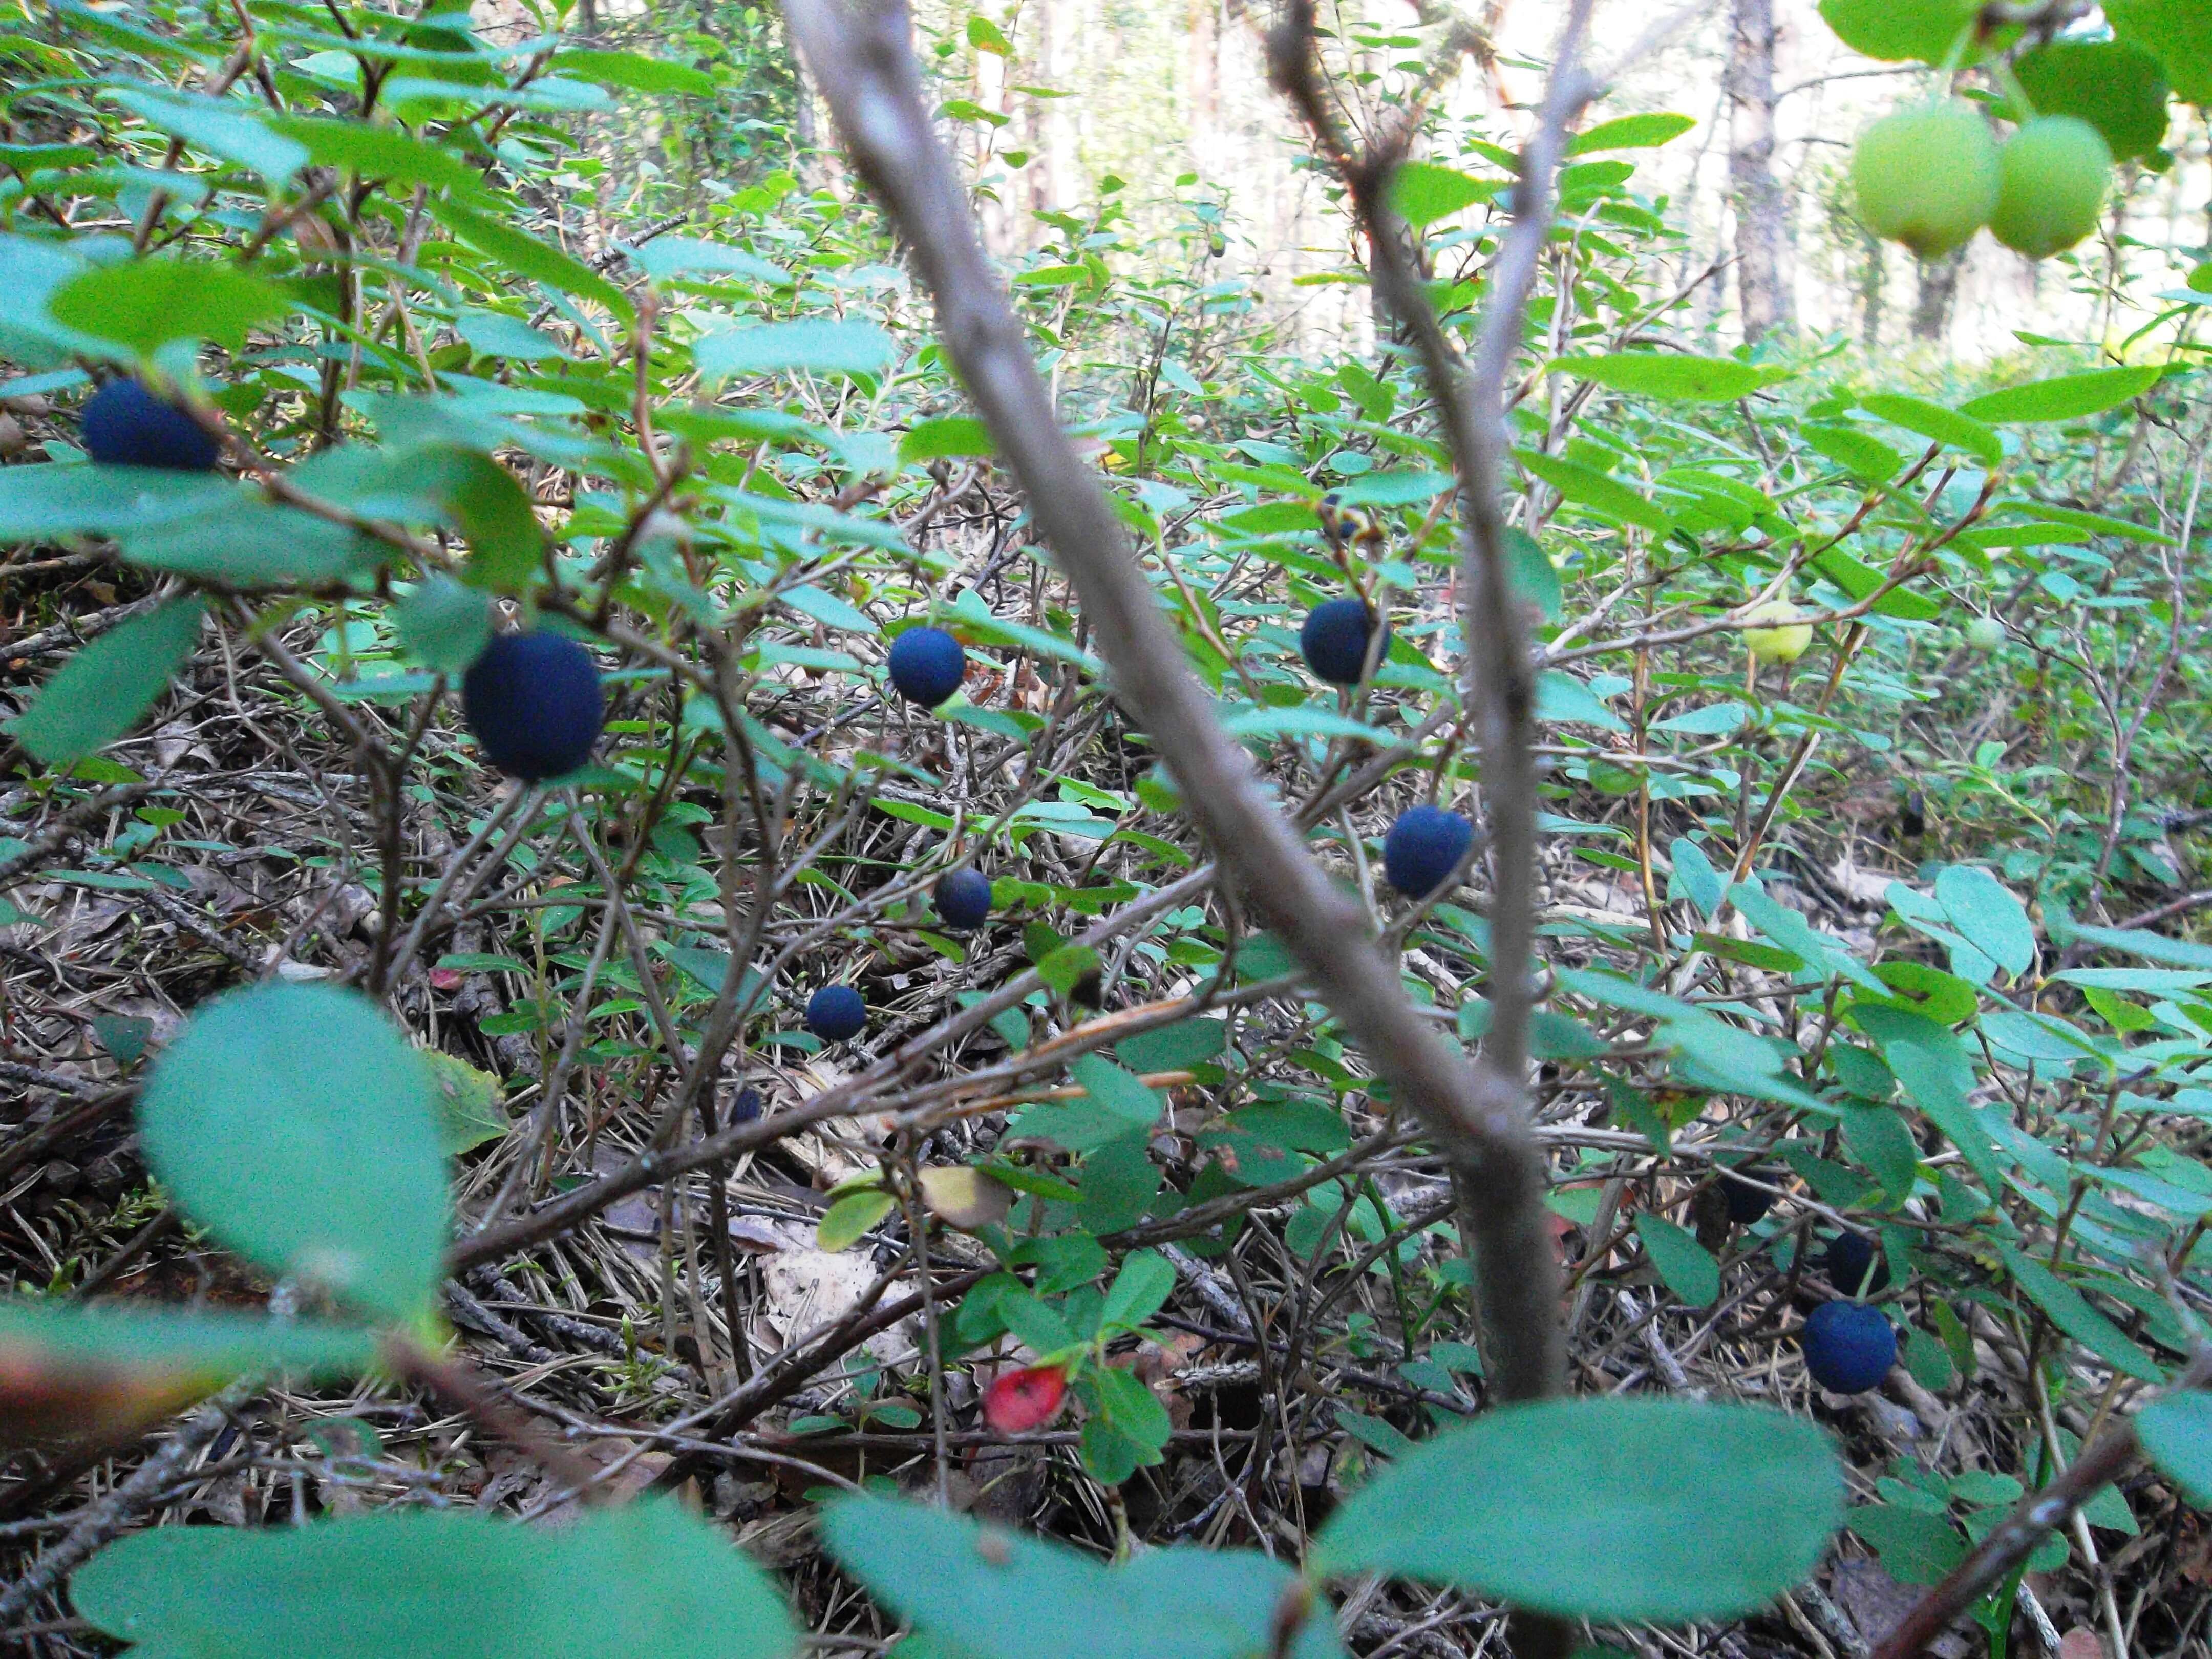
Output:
x=1024 y=1399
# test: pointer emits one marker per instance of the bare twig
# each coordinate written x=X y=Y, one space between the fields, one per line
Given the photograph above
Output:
x=2103 y=1461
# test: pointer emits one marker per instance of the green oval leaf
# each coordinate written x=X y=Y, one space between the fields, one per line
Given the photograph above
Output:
x=2178 y=33
x=1675 y=378
x=1894 y=30
x=2067 y=397
x=214 y=1346
x=231 y=130
x=1611 y=1510
x=296 y=1125
x=1985 y=912
x=1864 y=456
x=1944 y=426
x=992 y=1595
x=147 y=303
x=844 y=1223
x=819 y=346
x=1600 y=492
x=634 y=72
x=439 y=1584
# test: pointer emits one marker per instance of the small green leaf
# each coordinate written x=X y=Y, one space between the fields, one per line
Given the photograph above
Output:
x=665 y=257
x=1171 y=1047
x=1631 y=132
x=382 y=152
x=1915 y=1547
x=2176 y=1432
x=646 y=1579
x=1944 y=426
x=1864 y=456
x=2069 y=1310
x=212 y=1345
x=2178 y=33
x=472 y=1105
x=1118 y=1091
x=495 y=334
x=1600 y=492
x=40 y=501
x=2118 y=88
x=101 y=691
x=1065 y=967
x=445 y=623
x=1424 y=193
x=242 y=540
x=1937 y=1076
x=295 y=1123
x=1138 y=1291
x=1611 y=1509
x=234 y=130
x=1686 y=1265
x=947 y=436
x=845 y=1222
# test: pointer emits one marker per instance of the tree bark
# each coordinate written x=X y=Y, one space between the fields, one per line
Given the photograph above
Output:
x=1938 y=294
x=1874 y=280
x=1764 y=293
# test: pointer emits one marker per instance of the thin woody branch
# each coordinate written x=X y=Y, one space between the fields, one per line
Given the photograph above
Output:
x=2000 y=1554
x=860 y=57
x=1500 y=679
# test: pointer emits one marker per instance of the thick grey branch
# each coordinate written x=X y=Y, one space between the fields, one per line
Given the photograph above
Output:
x=860 y=57
x=1500 y=679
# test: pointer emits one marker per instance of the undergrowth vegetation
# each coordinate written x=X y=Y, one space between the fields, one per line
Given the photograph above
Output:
x=830 y=1092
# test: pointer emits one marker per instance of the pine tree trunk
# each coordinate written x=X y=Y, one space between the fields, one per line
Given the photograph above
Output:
x=1939 y=292
x=1763 y=291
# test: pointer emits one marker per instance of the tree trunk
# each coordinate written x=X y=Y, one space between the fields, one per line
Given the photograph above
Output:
x=1871 y=287
x=1205 y=71
x=1763 y=291
x=1939 y=291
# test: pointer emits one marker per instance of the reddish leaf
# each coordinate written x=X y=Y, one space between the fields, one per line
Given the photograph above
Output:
x=1024 y=1399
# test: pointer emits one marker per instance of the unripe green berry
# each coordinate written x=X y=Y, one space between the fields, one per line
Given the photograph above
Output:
x=1985 y=634
x=2054 y=173
x=1927 y=176
x=1784 y=640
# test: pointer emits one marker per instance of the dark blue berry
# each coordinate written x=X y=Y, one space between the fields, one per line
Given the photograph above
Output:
x=1849 y=1255
x=1335 y=640
x=746 y=1107
x=1848 y=1346
x=126 y=425
x=836 y=1012
x=1747 y=1200
x=963 y=898
x=926 y=666
x=1423 y=848
x=533 y=702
